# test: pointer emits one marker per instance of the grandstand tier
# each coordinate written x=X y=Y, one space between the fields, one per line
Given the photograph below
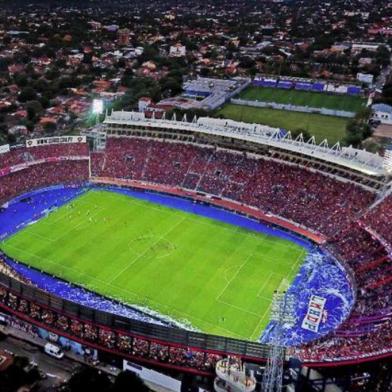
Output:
x=337 y=195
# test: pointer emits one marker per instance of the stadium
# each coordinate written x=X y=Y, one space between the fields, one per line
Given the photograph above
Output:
x=166 y=240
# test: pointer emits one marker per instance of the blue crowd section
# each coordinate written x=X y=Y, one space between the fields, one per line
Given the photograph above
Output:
x=319 y=275
x=79 y=295
x=32 y=206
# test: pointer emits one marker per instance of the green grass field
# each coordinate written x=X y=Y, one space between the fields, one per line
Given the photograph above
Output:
x=322 y=127
x=304 y=98
x=218 y=277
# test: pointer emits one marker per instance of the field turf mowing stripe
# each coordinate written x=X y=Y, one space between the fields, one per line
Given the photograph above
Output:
x=304 y=98
x=215 y=276
x=320 y=126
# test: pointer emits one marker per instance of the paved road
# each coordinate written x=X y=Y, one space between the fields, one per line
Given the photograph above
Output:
x=56 y=370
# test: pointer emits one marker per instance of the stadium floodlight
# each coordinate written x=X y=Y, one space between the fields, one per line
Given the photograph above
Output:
x=97 y=106
x=282 y=312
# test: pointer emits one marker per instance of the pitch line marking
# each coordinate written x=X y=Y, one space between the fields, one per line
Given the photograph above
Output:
x=83 y=222
x=68 y=214
x=179 y=312
x=228 y=269
x=239 y=308
x=96 y=210
x=231 y=280
x=64 y=215
x=264 y=284
x=160 y=238
x=258 y=326
x=110 y=285
x=41 y=237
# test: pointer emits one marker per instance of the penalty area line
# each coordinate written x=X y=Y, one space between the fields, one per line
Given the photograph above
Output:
x=160 y=238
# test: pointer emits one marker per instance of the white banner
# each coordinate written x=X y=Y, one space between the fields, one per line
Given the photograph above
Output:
x=149 y=375
x=19 y=167
x=5 y=148
x=314 y=314
x=55 y=140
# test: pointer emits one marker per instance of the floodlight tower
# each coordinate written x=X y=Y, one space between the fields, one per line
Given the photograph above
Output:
x=97 y=108
x=283 y=313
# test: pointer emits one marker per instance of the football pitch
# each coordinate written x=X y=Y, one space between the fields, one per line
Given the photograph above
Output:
x=304 y=98
x=215 y=276
x=320 y=126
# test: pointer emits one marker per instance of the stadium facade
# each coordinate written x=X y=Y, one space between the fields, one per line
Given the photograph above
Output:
x=336 y=197
x=305 y=84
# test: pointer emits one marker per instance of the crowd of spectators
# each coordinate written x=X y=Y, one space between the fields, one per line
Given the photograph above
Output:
x=367 y=331
x=64 y=164
x=42 y=175
x=320 y=202
x=20 y=155
x=116 y=341
x=371 y=264
x=339 y=210
x=341 y=347
x=307 y=197
x=380 y=218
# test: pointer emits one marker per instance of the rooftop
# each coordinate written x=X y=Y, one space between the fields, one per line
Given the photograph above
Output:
x=382 y=107
x=349 y=157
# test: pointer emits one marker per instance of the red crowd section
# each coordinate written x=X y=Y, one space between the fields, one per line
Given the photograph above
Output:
x=27 y=168
x=330 y=212
x=312 y=204
x=319 y=202
x=42 y=175
x=380 y=219
x=22 y=155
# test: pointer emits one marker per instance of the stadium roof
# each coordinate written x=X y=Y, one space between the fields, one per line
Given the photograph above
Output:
x=351 y=158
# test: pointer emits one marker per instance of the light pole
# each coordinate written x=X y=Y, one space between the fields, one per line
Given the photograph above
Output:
x=282 y=313
x=97 y=109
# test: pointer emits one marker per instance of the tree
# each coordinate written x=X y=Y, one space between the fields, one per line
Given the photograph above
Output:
x=88 y=379
x=50 y=128
x=323 y=41
x=298 y=131
x=358 y=129
x=21 y=80
x=41 y=85
x=127 y=77
x=387 y=94
x=140 y=87
x=170 y=86
x=53 y=73
x=4 y=65
x=383 y=56
x=34 y=108
x=247 y=62
x=29 y=125
x=45 y=101
x=27 y=94
x=150 y=53
x=205 y=72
